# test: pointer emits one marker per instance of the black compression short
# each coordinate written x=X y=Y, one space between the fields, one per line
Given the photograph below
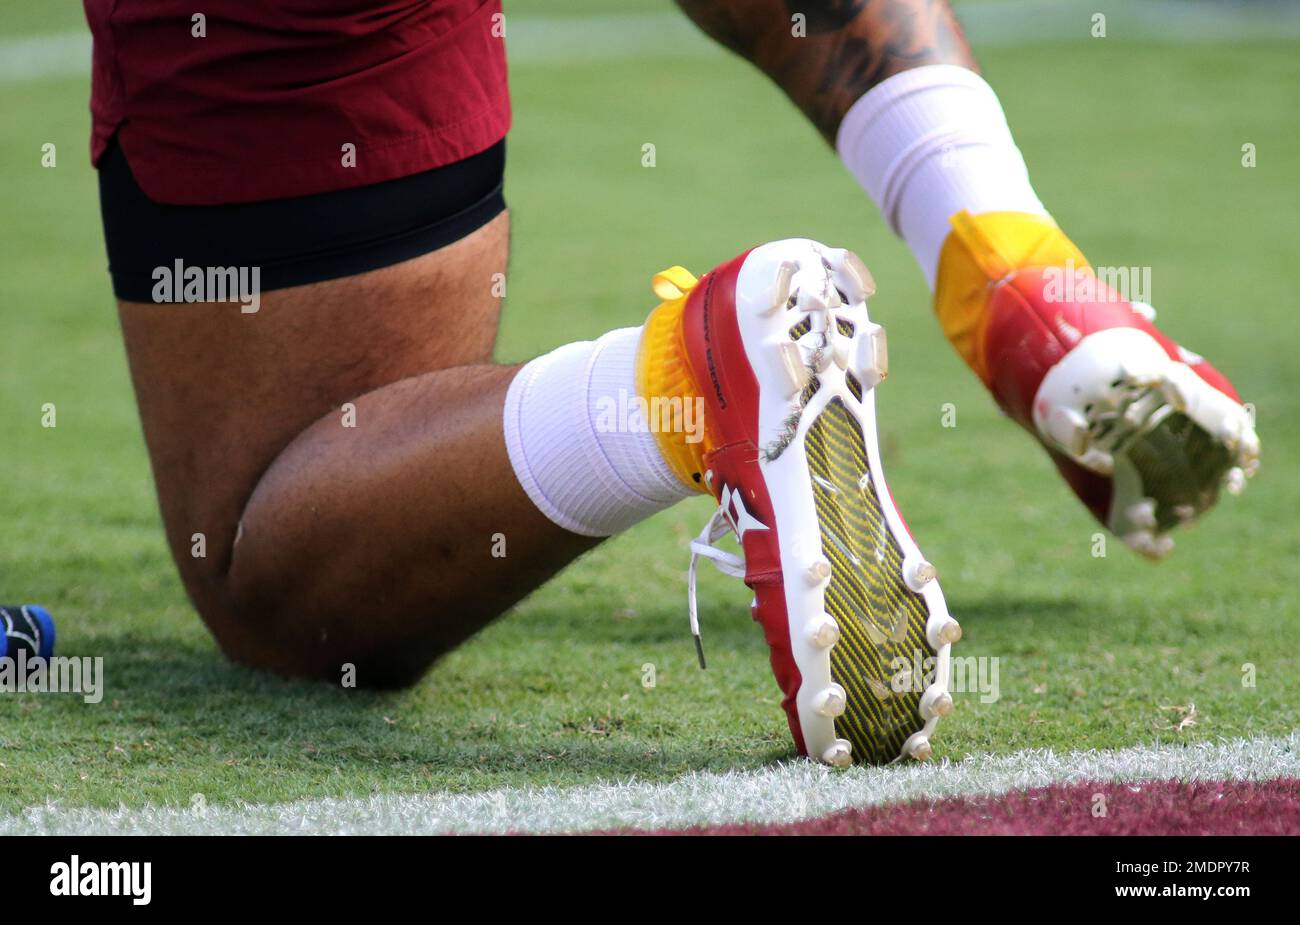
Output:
x=295 y=241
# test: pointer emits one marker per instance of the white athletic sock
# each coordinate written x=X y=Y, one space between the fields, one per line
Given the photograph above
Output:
x=578 y=439
x=929 y=142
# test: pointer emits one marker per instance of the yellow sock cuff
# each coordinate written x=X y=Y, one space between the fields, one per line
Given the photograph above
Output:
x=663 y=373
x=981 y=251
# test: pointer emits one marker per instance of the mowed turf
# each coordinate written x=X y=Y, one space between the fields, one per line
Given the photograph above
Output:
x=1136 y=148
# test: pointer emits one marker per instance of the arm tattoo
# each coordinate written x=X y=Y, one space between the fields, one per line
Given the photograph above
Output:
x=848 y=46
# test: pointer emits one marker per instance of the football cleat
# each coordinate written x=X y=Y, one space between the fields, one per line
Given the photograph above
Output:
x=1145 y=432
x=779 y=344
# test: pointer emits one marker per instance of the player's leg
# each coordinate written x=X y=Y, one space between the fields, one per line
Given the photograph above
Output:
x=825 y=54
x=344 y=475
x=1144 y=431
x=312 y=532
x=340 y=460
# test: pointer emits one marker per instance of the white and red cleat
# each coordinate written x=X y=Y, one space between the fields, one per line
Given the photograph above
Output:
x=779 y=344
x=1144 y=431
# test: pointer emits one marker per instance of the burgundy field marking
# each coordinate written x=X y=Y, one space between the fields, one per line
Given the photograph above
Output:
x=1226 y=807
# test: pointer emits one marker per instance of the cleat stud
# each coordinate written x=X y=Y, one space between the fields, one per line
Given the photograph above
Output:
x=793 y=366
x=839 y=755
x=781 y=286
x=1248 y=452
x=858 y=272
x=920 y=748
x=917 y=573
x=1146 y=543
x=819 y=570
x=870 y=362
x=1142 y=514
x=1185 y=513
x=946 y=633
x=1174 y=395
x=1141 y=541
x=824 y=632
x=1098 y=461
x=831 y=702
x=880 y=350
x=1234 y=480
x=1069 y=429
x=935 y=702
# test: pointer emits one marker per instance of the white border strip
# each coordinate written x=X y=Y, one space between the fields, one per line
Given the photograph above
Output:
x=781 y=793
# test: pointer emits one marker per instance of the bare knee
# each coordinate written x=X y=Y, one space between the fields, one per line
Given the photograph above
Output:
x=256 y=639
x=268 y=632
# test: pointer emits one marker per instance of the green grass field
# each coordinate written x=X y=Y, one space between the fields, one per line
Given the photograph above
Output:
x=1136 y=148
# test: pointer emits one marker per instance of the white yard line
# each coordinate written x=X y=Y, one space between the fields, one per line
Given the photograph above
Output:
x=782 y=793
x=534 y=40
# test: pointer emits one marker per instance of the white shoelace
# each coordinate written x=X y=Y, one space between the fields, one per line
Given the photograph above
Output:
x=726 y=562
